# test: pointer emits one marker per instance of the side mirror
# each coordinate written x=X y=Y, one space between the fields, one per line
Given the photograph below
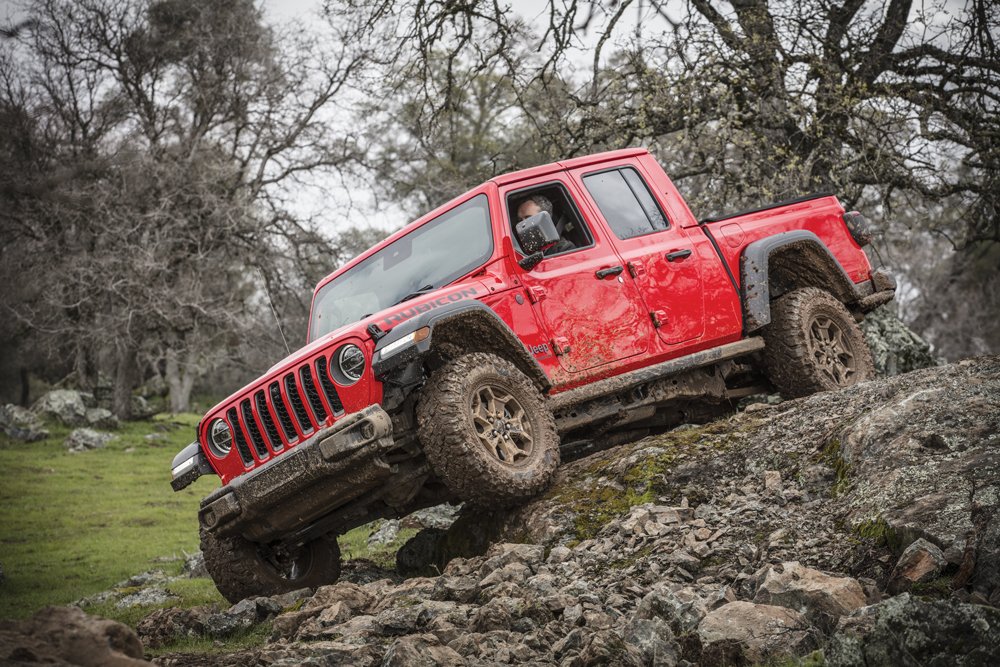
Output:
x=531 y=261
x=536 y=233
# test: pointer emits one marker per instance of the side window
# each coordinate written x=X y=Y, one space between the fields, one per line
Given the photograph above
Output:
x=626 y=202
x=551 y=197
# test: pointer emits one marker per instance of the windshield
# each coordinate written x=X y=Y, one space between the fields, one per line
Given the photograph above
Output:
x=431 y=256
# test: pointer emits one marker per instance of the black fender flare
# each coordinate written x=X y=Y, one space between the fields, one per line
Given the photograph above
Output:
x=475 y=326
x=756 y=277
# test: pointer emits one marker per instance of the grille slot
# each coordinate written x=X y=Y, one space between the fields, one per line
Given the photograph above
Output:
x=312 y=395
x=281 y=410
x=328 y=388
x=298 y=407
x=241 y=442
x=273 y=437
x=256 y=438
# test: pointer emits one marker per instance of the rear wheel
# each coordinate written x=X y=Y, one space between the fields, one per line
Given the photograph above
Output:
x=243 y=569
x=487 y=432
x=814 y=344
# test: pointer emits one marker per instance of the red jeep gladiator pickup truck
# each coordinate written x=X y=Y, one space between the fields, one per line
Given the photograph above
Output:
x=544 y=310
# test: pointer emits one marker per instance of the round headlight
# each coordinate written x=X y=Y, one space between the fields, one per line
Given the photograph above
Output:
x=220 y=437
x=351 y=362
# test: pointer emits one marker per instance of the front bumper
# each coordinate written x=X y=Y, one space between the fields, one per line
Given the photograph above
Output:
x=288 y=493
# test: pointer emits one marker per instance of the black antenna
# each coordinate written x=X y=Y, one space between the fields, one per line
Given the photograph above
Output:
x=273 y=311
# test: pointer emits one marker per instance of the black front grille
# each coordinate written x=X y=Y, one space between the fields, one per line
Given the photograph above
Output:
x=251 y=425
x=268 y=422
x=312 y=395
x=270 y=430
x=241 y=442
x=298 y=407
x=331 y=392
x=282 y=411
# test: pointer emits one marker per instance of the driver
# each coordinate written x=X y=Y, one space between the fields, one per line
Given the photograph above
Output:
x=534 y=205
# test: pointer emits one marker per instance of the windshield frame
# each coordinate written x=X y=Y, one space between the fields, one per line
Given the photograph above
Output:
x=411 y=228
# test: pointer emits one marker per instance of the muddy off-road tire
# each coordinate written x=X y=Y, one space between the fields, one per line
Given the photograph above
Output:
x=240 y=570
x=814 y=344
x=487 y=432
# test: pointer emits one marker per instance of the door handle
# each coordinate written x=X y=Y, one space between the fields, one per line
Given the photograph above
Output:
x=678 y=254
x=611 y=271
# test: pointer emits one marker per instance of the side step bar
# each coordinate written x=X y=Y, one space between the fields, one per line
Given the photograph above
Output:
x=618 y=383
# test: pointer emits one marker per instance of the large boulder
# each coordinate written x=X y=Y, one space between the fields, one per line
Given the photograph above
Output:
x=68 y=636
x=821 y=597
x=924 y=462
x=761 y=631
x=927 y=633
x=21 y=424
x=895 y=347
x=66 y=405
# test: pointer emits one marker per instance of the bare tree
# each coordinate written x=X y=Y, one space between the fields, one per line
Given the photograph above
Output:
x=165 y=132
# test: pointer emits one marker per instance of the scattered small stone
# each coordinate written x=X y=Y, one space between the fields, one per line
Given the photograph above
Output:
x=147 y=597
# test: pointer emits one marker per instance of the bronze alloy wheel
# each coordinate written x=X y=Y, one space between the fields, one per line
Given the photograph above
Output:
x=813 y=343
x=487 y=432
x=831 y=351
x=502 y=425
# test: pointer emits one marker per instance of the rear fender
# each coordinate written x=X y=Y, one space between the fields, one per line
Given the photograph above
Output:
x=778 y=264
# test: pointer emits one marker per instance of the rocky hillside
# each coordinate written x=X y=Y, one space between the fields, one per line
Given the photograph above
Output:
x=849 y=528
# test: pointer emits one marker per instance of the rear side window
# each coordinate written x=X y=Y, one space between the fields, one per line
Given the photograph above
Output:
x=625 y=202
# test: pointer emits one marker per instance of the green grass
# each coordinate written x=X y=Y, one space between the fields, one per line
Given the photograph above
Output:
x=72 y=525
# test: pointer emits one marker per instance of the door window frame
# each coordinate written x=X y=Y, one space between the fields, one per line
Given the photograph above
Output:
x=574 y=206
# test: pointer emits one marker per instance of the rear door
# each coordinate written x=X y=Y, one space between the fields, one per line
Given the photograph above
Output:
x=657 y=253
x=584 y=297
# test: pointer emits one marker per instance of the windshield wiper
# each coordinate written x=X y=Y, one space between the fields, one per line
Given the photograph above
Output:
x=412 y=295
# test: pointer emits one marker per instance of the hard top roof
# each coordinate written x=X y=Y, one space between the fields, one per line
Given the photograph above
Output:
x=572 y=163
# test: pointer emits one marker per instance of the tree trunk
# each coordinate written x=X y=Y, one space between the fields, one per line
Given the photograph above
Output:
x=180 y=381
x=125 y=375
x=86 y=370
x=25 y=386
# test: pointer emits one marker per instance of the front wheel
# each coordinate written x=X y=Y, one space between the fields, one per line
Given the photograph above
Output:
x=243 y=569
x=814 y=344
x=487 y=432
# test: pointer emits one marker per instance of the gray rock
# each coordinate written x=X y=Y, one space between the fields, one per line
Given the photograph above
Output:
x=922 y=561
x=895 y=347
x=194 y=565
x=439 y=516
x=146 y=597
x=21 y=424
x=68 y=636
x=654 y=640
x=164 y=626
x=761 y=631
x=927 y=633
x=66 y=405
x=821 y=597
x=241 y=616
x=421 y=651
x=82 y=439
x=682 y=610
x=101 y=418
x=386 y=533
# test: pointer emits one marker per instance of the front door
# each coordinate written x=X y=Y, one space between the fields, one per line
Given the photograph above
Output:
x=582 y=293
